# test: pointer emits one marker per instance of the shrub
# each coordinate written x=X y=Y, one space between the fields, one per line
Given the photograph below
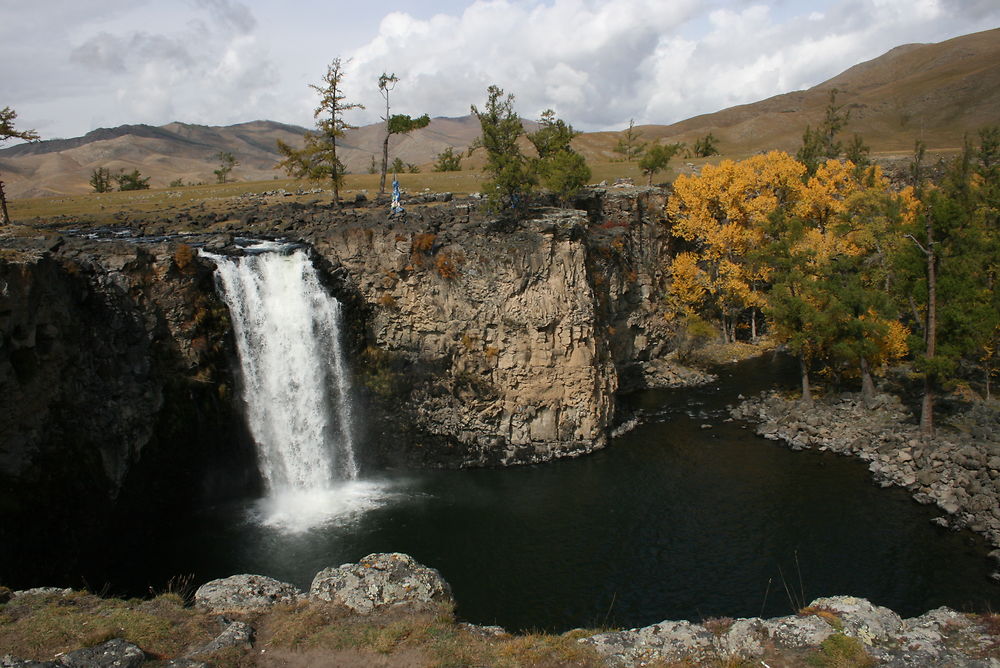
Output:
x=422 y=243
x=183 y=256
x=694 y=333
x=448 y=264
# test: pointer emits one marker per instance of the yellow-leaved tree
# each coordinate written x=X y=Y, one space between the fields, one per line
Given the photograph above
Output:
x=720 y=214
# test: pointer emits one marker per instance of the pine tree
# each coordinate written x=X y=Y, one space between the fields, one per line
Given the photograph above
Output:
x=706 y=146
x=100 y=180
x=226 y=163
x=132 y=181
x=560 y=169
x=947 y=269
x=7 y=131
x=511 y=175
x=317 y=159
x=629 y=145
x=822 y=143
x=656 y=158
x=448 y=161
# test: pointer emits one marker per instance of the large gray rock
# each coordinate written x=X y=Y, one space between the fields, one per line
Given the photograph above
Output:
x=380 y=582
x=798 y=631
x=744 y=638
x=667 y=641
x=116 y=653
x=869 y=623
x=244 y=593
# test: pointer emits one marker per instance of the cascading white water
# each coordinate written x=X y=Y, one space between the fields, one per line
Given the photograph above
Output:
x=296 y=384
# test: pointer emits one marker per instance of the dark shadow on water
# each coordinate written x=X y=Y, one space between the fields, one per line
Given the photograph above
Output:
x=685 y=517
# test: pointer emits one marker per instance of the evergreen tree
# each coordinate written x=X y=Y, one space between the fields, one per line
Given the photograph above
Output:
x=822 y=143
x=706 y=146
x=629 y=145
x=317 y=159
x=947 y=270
x=656 y=158
x=132 y=181
x=560 y=169
x=100 y=180
x=7 y=131
x=226 y=163
x=511 y=176
x=553 y=135
x=448 y=161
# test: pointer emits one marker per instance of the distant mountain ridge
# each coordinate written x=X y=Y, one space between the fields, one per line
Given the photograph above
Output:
x=934 y=92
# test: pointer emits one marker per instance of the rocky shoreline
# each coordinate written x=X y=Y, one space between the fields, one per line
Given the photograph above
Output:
x=958 y=470
x=261 y=622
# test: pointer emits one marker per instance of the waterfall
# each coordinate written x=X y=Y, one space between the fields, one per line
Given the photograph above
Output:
x=295 y=382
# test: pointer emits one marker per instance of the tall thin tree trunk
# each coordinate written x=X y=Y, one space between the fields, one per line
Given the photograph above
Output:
x=753 y=325
x=385 y=160
x=867 y=384
x=927 y=406
x=3 y=205
x=336 y=167
x=385 y=143
x=807 y=398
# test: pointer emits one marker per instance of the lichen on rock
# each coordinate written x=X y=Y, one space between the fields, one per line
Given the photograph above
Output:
x=383 y=581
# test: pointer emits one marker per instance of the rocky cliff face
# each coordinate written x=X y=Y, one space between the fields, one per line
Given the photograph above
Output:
x=110 y=355
x=506 y=344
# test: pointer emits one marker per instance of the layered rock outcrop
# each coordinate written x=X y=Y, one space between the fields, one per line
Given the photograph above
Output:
x=506 y=343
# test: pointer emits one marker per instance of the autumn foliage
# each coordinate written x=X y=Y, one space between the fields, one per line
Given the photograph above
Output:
x=764 y=238
x=843 y=269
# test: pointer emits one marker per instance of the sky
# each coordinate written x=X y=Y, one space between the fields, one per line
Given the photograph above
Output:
x=71 y=66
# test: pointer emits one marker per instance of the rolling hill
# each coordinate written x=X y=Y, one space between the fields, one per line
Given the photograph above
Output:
x=934 y=92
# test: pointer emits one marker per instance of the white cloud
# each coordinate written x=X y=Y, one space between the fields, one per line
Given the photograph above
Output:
x=210 y=70
x=601 y=63
x=597 y=63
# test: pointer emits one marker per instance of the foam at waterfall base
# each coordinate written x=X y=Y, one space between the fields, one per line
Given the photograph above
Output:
x=296 y=511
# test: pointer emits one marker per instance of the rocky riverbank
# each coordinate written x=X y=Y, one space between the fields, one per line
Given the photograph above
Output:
x=958 y=470
x=389 y=610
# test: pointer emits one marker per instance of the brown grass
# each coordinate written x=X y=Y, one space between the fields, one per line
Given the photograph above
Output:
x=826 y=614
x=39 y=627
x=426 y=640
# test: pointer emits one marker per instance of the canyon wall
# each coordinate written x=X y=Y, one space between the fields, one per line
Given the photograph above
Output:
x=475 y=341
x=500 y=343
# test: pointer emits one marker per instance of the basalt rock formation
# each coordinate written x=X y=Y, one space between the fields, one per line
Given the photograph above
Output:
x=492 y=343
